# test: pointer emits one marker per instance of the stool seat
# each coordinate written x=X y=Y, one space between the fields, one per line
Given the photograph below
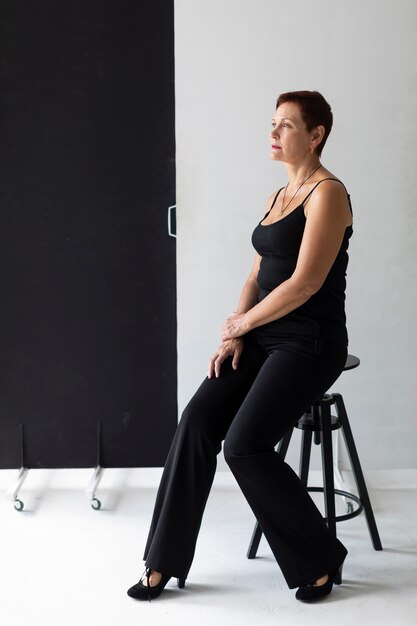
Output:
x=319 y=421
x=352 y=361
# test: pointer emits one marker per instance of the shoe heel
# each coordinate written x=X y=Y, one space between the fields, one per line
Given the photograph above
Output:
x=180 y=583
x=338 y=576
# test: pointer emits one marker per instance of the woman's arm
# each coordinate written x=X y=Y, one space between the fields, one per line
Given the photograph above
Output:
x=327 y=219
x=234 y=346
x=249 y=295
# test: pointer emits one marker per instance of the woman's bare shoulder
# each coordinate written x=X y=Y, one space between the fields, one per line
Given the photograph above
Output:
x=329 y=183
x=326 y=174
x=331 y=192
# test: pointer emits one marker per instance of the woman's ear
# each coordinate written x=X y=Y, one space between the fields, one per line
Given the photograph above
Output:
x=317 y=136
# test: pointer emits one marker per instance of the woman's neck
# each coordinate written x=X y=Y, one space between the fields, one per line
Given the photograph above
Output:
x=298 y=172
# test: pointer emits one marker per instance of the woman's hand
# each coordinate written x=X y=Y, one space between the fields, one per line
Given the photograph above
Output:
x=230 y=347
x=235 y=325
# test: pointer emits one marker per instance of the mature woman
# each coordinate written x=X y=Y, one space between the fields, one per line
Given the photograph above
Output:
x=282 y=348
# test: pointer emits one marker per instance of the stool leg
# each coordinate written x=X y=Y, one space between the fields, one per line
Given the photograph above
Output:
x=254 y=542
x=305 y=455
x=357 y=471
x=257 y=532
x=327 y=462
x=284 y=443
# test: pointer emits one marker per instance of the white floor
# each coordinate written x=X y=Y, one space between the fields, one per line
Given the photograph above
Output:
x=63 y=563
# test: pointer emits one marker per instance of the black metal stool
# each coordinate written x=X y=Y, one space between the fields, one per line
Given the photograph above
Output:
x=319 y=420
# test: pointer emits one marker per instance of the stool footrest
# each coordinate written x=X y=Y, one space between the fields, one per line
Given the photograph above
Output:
x=344 y=494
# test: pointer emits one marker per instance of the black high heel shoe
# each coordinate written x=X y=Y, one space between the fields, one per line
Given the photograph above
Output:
x=146 y=592
x=310 y=592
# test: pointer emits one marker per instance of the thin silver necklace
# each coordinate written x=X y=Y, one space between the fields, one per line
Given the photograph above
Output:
x=292 y=197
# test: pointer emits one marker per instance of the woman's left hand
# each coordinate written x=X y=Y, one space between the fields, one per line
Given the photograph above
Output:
x=235 y=325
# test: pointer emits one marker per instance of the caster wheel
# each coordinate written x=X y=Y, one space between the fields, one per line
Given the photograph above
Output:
x=96 y=504
x=18 y=505
x=349 y=507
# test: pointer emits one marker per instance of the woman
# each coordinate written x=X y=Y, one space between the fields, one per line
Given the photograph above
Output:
x=285 y=345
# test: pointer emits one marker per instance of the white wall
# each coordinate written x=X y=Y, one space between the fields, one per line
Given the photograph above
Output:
x=233 y=58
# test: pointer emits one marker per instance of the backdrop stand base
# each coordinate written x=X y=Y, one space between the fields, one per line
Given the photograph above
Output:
x=92 y=487
x=13 y=491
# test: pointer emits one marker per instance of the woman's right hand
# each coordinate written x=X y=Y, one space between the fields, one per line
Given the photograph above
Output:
x=230 y=347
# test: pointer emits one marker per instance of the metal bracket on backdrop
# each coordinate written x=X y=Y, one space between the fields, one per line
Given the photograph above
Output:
x=172 y=232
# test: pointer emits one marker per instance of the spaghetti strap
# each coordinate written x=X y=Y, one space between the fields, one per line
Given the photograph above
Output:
x=320 y=181
x=276 y=196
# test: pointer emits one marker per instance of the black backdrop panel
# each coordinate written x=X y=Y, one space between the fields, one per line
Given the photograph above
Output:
x=87 y=269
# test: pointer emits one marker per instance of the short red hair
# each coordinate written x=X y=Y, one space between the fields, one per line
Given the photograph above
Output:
x=315 y=111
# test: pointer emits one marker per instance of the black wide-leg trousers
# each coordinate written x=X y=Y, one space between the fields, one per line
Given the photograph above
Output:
x=250 y=408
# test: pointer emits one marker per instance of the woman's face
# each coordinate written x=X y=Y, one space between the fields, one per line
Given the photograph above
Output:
x=290 y=139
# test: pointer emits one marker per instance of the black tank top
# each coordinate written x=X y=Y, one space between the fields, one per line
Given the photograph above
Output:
x=323 y=315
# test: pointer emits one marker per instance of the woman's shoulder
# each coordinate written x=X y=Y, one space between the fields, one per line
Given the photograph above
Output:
x=329 y=190
x=328 y=184
x=329 y=180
